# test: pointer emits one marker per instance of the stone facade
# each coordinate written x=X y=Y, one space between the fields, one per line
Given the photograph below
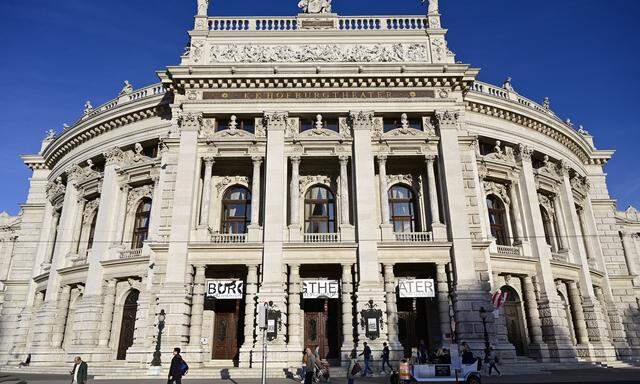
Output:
x=364 y=162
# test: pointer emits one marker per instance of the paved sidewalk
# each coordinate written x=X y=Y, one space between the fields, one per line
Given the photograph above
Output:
x=595 y=376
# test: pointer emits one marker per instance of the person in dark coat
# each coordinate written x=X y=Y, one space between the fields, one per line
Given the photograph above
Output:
x=175 y=371
x=79 y=371
x=366 y=353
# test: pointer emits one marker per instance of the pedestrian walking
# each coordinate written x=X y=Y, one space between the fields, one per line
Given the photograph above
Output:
x=26 y=362
x=354 y=368
x=366 y=354
x=311 y=367
x=492 y=361
x=178 y=368
x=386 y=354
x=303 y=368
x=79 y=371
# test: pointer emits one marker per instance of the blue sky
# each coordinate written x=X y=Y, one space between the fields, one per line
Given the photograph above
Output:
x=583 y=54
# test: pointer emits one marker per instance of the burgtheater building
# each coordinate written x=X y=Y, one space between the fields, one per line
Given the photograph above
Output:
x=347 y=170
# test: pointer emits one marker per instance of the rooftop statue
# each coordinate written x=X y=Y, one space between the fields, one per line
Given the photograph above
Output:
x=315 y=6
x=433 y=7
x=127 y=89
x=203 y=7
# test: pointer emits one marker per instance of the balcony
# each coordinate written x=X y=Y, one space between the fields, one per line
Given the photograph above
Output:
x=509 y=250
x=413 y=237
x=321 y=238
x=229 y=238
x=130 y=253
x=342 y=23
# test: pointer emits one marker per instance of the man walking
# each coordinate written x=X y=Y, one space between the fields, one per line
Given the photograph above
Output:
x=386 y=353
x=79 y=371
x=366 y=353
x=178 y=368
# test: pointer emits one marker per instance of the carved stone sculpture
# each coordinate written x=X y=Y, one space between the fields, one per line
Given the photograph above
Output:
x=315 y=6
x=127 y=89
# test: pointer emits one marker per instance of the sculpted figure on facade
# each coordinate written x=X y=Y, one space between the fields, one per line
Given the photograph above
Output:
x=203 y=7
x=433 y=8
x=88 y=108
x=127 y=89
x=315 y=6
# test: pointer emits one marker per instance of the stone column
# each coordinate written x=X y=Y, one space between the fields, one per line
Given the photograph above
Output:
x=387 y=229
x=206 y=191
x=51 y=239
x=255 y=231
x=517 y=218
x=77 y=227
x=443 y=301
x=249 y=315
x=174 y=297
x=553 y=237
x=61 y=317
x=370 y=286
x=585 y=237
x=630 y=253
x=294 y=200
x=295 y=321
x=437 y=228
x=562 y=232
x=197 y=307
x=392 y=307
x=121 y=221
x=347 y=312
x=346 y=229
x=107 y=313
x=534 y=325
x=555 y=332
x=578 y=314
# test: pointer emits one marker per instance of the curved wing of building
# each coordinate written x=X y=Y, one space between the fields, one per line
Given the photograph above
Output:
x=348 y=172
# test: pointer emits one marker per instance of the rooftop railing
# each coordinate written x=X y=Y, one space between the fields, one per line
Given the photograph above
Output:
x=149 y=91
x=502 y=93
x=343 y=23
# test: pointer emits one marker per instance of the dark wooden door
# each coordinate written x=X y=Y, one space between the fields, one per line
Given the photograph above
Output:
x=515 y=327
x=128 y=324
x=225 y=336
x=315 y=332
x=407 y=330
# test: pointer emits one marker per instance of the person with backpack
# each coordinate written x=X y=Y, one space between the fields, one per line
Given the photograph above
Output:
x=178 y=368
x=353 y=369
x=366 y=353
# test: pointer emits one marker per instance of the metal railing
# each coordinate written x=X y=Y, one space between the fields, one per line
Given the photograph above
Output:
x=229 y=238
x=321 y=238
x=414 y=237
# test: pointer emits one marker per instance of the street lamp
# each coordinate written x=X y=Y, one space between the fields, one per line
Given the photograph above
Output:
x=156 y=355
x=483 y=317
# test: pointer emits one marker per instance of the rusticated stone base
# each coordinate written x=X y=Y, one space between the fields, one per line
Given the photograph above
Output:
x=555 y=331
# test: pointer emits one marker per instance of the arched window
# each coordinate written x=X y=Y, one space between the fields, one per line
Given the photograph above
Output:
x=141 y=224
x=92 y=231
x=497 y=219
x=402 y=209
x=236 y=210
x=319 y=210
x=546 y=221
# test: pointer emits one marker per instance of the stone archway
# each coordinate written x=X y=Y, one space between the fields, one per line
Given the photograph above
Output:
x=514 y=318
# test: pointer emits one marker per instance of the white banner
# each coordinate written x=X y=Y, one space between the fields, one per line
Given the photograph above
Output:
x=415 y=288
x=225 y=289
x=314 y=289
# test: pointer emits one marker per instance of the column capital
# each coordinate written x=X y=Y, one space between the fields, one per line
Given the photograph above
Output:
x=257 y=159
x=344 y=159
x=564 y=167
x=429 y=158
x=447 y=119
x=361 y=120
x=382 y=158
x=524 y=152
x=295 y=159
x=190 y=121
x=209 y=159
x=276 y=121
x=114 y=156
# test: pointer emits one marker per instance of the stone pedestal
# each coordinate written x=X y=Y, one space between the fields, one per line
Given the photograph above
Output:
x=366 y=292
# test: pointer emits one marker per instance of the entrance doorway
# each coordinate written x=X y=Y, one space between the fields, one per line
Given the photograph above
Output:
x=226 y=330
x=128 y=325
x=514 y=318
x=322 y=328
x=412 y=323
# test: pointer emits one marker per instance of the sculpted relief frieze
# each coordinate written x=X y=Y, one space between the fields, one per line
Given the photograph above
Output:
x=331 y=53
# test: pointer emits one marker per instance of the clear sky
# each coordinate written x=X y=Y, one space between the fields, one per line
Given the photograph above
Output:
x=583 y=54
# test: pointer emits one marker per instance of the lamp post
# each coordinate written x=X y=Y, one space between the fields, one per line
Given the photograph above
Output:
x=483 y=317
x=156 y=355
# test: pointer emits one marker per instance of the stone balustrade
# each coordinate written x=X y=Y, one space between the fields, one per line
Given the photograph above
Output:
x=228 y=238
x=130 y=253
x=414 y=237
x=321 y=237
x=509 y=250
x=346 y=23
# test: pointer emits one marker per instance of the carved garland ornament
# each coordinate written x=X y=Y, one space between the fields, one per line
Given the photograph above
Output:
x=307 y=181
x=330 y=53
x=138 y=194
x=547 y=203
x=55 y=189
x=89 y=210
x=227 y=181
x=500 y=190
